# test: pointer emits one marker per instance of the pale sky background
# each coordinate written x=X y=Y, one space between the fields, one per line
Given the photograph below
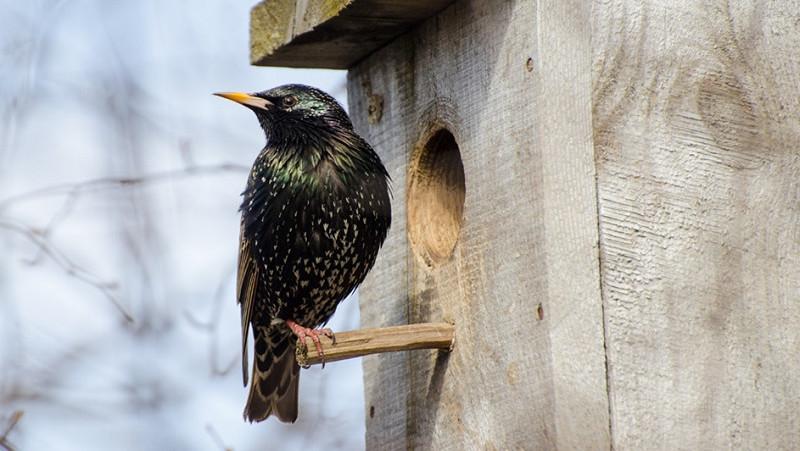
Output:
x=105 y=91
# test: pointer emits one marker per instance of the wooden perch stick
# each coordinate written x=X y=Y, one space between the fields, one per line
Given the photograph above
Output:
x=357 y=343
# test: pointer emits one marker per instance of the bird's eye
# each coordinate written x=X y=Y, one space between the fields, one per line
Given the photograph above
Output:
x=289 y=101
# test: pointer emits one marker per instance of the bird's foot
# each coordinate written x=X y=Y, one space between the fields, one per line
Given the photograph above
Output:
x=303 y=332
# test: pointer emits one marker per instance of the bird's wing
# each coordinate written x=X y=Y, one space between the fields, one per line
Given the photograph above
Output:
x=257 y=201
x=246 y=284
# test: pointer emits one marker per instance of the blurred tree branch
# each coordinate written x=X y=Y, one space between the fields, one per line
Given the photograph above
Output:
x=212 y=325
x=10 y=425
x=217 y=438
x=40 y=237
x=104 y=183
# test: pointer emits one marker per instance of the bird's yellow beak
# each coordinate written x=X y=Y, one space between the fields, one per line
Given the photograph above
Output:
x=246 y=99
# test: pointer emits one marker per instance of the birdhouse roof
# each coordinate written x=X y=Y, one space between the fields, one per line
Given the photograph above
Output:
x=333 y=34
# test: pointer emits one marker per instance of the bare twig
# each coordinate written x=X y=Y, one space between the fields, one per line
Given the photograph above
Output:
x=117 y=182
x=41 y=236
x=216 y=438
x=363 y=342
x=12 y=423
x=211 y=326
x=58 y=216
x=40 y=239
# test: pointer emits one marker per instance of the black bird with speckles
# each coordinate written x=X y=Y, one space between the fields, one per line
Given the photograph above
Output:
x=315 y=212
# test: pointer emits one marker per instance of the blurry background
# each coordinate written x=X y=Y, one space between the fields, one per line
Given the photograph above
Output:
x=120 y=177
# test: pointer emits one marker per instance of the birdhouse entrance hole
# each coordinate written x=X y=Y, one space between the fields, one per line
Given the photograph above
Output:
x=435 y=197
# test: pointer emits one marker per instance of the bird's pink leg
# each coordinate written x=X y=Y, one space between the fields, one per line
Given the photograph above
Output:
x=303 y=332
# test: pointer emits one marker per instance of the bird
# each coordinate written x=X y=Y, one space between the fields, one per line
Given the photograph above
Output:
x=315 y=211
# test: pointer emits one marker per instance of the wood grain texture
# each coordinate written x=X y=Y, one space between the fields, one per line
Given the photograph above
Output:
x=672 y=128
x=332 y=34
x=383 y=296
x=522 y=283
x=696 y=126
x=569 y=219
x=274 y=24
x=362 y=342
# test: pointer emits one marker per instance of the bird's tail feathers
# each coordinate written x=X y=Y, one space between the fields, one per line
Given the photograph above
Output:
x=273 y=387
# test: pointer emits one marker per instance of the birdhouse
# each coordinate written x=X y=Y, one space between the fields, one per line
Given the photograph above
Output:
x=601 y=197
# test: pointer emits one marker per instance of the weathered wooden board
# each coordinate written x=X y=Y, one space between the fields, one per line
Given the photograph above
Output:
x=522 y=285
x=384 y=295
x=687 y=113
x=697 y=133
x=330 y=33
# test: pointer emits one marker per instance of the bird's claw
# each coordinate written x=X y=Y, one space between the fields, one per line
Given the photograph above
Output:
x=303 y=332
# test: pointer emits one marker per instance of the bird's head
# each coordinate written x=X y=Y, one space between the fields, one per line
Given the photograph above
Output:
x=292 y=112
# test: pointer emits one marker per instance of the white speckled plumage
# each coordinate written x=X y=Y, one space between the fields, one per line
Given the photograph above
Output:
x=315 y=212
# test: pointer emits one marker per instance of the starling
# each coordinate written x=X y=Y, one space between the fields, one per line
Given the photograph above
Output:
x=315 y=211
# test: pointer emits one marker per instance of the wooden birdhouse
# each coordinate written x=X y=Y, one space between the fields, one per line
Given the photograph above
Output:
x=602 y=197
